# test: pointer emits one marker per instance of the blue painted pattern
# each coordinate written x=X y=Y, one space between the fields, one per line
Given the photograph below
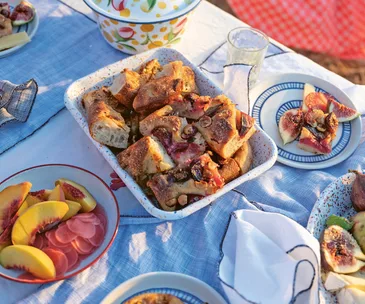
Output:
x=184 y=296
x=260 y=103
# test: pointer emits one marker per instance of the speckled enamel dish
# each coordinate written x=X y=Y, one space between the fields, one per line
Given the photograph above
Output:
x=134 y=26
x=275 y=96
x=264 y=148
x=43 y=177
x=335 y=199
x=188 y=289
x=31 y=28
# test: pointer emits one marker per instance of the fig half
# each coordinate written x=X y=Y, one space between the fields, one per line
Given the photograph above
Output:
x=22 y=13
x=311 y=143
x=290 y=125
x=340 y=251
x=342 y=112
x=358 y=192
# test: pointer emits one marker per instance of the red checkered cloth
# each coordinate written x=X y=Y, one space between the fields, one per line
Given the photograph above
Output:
x=336 y=27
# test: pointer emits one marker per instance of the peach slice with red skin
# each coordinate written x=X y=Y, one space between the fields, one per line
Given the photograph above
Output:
x=35 y=219
x=37 y=196
x=57 y=194
x=77 y=193
x=11 y=198
x=30 y=259
x=74 y=208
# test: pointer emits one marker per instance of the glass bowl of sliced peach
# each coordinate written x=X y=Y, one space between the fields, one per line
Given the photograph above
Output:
x=55 y=221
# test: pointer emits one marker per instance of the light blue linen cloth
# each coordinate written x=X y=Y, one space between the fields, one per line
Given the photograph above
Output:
x=67 y=46
x=191 y=245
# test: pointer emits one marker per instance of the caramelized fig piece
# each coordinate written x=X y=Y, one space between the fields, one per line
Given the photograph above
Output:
x=290 y=125
x=358 y=229
x=331 y=125
x=309 y=142
x=340 y=251
x=315 y=101
x=358 y=192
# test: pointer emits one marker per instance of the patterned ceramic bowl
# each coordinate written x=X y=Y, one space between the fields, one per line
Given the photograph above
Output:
x=134 y=26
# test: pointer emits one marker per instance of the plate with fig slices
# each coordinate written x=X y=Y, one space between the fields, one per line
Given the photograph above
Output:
x=18 y=24
x=55 y=221
x=313 y=123
x=338 y=222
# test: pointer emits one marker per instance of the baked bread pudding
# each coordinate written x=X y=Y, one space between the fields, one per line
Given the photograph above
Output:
x=177 y=145
x=154 y=298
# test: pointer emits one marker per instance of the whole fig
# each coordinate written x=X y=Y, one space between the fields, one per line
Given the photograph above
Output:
x=358 y=192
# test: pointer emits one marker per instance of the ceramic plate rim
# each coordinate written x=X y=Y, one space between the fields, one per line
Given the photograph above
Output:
x=112 y=296
x=35 y=23
x=111 y=241
x=302 y=77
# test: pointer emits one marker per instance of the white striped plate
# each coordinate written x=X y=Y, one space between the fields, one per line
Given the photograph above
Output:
x=272 y=98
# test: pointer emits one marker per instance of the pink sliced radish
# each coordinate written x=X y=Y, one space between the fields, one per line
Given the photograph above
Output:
x=58 y=258
x=103 y=220
x=51 y=236
x=72 y=258
x=64 y=235
x=88 y=218
x=82 y=246
x=98 y=237
x=85 y=230
x=38 y=243
x=77 y=264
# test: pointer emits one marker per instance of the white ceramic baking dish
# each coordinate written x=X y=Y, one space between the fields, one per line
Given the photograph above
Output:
x=265 y=151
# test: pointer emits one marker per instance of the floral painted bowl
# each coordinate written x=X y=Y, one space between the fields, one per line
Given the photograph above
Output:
x=135 y=26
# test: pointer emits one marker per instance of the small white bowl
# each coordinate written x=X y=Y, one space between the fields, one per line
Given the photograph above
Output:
x=44 y=177
x=188 y=289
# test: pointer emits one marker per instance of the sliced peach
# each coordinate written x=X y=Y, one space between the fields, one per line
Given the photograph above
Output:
x=30 y=259
x=11 y=198
x=57 y=194
x=77 y=193
x=37 y=196
x=23 y=207
x=74 y=207
x=35 y=219
x=6 y=244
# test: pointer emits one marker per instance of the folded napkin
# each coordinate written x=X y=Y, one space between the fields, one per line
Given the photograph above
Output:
x=269 y=258
x=234 y=78
x=16 y=101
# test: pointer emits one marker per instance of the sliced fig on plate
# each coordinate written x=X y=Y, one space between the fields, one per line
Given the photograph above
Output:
x=342 y=112
x=311 y=143
x=315 y=118
x=290 y=125
x=340 y=251
x=315 y=101
x=358 y=193
x=5 y=9
x=22 y=13
x=331 y=125
x=308 y=88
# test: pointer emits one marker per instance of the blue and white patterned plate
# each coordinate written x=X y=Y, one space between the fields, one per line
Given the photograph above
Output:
x=30 y=28
x=188 y=289
x=270 y=99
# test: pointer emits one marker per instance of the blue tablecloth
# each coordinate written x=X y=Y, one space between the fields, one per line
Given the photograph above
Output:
x=69 y=46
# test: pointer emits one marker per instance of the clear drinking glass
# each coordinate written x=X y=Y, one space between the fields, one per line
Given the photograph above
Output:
x=248 y=46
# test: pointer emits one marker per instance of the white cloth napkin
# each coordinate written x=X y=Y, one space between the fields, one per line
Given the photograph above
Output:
x=269 y=258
